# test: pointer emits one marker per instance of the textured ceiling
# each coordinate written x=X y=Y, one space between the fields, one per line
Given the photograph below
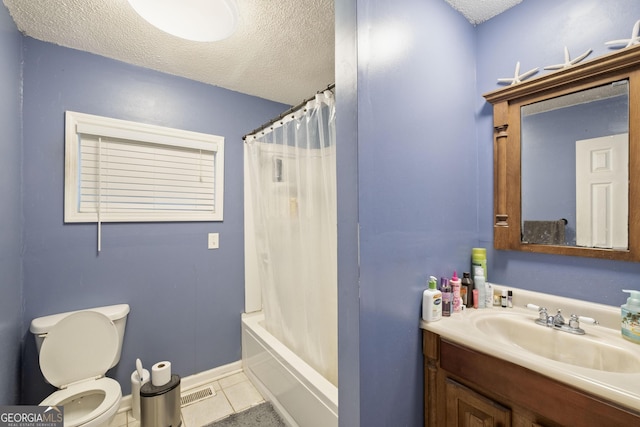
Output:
x=478 y=11
x=283 y=50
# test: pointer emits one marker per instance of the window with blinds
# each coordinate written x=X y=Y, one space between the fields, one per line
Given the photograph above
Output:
x=121 y=171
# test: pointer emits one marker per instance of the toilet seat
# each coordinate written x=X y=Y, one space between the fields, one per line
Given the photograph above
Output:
x=108 y=406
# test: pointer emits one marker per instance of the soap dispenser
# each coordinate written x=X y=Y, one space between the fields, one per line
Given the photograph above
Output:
x=432 y=302
x=631 y=317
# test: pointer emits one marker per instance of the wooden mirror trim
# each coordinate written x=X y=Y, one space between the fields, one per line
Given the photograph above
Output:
x=622 y=64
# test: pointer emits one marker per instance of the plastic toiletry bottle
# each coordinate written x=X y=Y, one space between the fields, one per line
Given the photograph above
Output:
x=631 y=317
x=447 y=300
x=488 y=295
x=503 y=299
x=432 y=302
x=456 y=286
x=479 y=284
x=467 y=289
x=479 y=260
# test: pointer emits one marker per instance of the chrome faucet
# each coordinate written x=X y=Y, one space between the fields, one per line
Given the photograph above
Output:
x=558 y=321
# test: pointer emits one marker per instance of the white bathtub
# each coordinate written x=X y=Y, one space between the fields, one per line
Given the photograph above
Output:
x=301 y=395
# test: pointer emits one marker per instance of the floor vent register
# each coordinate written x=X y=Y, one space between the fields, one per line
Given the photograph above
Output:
x=197 y=396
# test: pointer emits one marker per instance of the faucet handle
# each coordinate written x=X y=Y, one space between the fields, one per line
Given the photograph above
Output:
x=541 y=310
x=558 y=319
x=585 y=319
x=574 y=322
x=543 y=314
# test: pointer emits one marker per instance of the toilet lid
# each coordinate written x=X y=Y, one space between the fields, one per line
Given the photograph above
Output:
x=83 y=345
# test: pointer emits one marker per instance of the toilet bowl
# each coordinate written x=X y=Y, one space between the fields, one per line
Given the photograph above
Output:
x=89 y=404
x=76 y=350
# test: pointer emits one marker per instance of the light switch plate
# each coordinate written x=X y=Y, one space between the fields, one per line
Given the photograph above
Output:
x=213 y=241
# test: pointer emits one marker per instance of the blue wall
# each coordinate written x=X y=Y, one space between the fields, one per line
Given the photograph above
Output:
x=423 y=148
x=347 y=196
x=185 y=300
x=416 y=167
x=535 y=33
x=10 y=209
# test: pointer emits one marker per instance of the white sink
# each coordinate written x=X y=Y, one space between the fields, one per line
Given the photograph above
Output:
x=600 y=362
x=587 y=351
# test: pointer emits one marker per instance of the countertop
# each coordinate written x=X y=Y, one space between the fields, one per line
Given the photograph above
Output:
x=622 y=388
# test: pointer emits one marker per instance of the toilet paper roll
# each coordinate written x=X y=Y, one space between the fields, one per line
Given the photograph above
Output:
x=161 y=373
x=136 y=383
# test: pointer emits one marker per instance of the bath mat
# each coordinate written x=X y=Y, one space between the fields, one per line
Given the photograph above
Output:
x=262 y=415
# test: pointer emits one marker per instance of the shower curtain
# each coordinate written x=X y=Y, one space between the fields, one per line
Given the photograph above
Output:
x=292 y=172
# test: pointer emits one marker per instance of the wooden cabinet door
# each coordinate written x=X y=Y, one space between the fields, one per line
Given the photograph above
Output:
x=466 y=408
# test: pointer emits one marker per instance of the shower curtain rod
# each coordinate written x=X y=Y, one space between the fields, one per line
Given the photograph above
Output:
x=286 y=113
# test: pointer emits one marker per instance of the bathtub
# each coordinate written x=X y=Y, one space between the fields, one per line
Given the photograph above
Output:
x=298 y=393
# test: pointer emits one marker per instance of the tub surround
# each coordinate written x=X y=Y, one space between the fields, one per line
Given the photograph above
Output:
x=298 y=393
x=622 y=388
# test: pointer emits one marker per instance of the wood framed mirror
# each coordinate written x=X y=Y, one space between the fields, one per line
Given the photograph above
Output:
x=566 y=159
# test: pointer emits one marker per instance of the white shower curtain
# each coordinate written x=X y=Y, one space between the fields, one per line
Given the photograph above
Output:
x=292 y=168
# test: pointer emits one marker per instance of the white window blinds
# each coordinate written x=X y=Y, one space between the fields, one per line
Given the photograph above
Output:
x=124 y=171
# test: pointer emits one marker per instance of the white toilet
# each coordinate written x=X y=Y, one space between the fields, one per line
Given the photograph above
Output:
x=76 y=350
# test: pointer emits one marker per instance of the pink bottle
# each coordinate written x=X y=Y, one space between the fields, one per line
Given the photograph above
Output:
x=455 y=286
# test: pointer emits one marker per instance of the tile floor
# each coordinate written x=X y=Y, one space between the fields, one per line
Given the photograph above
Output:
x=234 y=393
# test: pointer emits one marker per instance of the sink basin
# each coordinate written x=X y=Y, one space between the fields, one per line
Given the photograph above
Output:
x=600 y=363
x=587 y=351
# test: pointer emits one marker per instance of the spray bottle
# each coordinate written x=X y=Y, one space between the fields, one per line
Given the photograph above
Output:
x=447 y=298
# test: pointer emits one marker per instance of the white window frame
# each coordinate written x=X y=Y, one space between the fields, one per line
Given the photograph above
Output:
x=108 y=130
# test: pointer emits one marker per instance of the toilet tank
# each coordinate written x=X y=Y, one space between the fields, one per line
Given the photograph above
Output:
x=116 y=313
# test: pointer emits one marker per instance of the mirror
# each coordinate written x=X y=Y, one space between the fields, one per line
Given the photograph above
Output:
x=574 y=175
x=565 y=160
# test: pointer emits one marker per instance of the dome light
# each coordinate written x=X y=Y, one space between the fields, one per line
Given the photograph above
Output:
x=197 y=20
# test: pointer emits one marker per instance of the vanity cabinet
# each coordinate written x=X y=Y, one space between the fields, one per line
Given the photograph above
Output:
x=467 y=408
x=464 y=387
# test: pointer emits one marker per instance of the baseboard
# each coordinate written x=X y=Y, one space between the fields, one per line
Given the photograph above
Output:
x=193 y=381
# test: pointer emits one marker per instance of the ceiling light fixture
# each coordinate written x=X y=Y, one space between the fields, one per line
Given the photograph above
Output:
x=198 y=20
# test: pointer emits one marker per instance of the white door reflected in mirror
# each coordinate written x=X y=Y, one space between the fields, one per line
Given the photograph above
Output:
x=602 y=188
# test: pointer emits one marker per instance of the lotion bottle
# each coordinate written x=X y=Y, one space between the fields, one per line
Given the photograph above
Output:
x=631 y=317
x=431 y=302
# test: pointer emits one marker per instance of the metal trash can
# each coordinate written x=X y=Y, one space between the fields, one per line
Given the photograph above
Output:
x=160 y=405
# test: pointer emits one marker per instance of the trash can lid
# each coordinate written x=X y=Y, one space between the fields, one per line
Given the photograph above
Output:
x=150 y=390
